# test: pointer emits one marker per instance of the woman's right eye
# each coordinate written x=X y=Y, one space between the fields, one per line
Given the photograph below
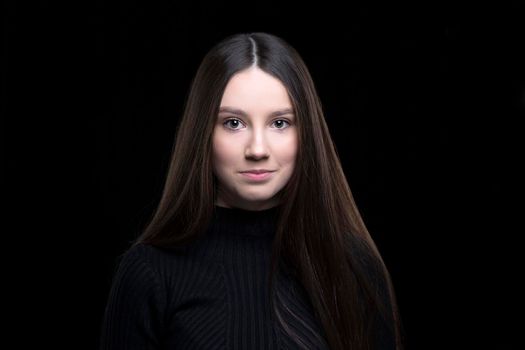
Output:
x=232 y=120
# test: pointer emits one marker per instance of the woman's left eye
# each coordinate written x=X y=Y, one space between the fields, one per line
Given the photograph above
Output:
x=281 y=120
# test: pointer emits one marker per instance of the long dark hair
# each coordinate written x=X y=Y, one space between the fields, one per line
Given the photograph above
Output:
x=319 y=225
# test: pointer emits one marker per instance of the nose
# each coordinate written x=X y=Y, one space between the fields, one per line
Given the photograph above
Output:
x=257 y=147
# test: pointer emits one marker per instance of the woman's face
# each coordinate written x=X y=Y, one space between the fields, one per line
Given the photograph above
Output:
x=250 y=134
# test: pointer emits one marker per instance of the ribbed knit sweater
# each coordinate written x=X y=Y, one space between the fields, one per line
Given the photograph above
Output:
x=210 y=295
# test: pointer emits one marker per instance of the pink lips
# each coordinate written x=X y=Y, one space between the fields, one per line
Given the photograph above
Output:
x=258 y=176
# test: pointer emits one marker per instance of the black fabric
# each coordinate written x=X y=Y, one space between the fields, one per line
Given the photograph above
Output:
x=212 y=295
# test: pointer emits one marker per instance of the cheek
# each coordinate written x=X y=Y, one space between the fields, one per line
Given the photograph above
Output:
x=289 y=150
x=223 y=151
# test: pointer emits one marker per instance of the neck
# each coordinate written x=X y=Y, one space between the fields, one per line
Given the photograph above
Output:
x=242 y=222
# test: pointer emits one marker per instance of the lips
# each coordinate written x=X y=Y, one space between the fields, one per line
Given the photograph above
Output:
x=257 y=177
x=257 y=171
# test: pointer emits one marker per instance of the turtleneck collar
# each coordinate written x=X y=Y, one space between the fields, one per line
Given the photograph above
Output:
x=242 y=222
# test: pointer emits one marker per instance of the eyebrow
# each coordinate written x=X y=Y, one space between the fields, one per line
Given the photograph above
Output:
x=244 y=114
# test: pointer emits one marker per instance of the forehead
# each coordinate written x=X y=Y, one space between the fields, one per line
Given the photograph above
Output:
x=255 y=90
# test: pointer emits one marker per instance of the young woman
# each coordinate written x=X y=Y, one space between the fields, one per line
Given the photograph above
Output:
x=257 y=242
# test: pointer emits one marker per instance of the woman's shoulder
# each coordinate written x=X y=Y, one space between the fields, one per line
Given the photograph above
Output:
x=143 y=250
x=136 y=253
x=165 y=263
x=146 y=267
x=149 y=254
x=137 y=256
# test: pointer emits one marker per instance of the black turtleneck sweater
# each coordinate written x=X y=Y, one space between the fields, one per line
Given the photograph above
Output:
x=212 y=296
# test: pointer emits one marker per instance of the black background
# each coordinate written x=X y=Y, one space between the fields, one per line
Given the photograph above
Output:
x=422 y=101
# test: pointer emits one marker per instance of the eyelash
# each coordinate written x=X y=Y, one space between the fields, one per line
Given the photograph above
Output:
x=230 y=119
